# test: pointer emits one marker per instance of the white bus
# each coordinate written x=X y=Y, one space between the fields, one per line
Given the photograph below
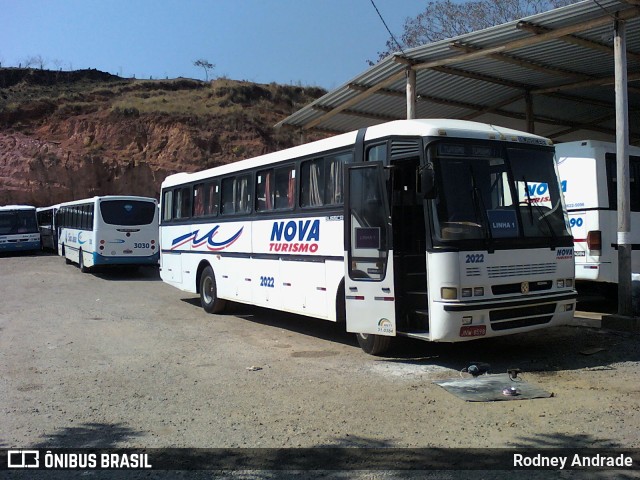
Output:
x=18 y=229
x=108 y=230
x=588 y=173
x=420 y=228
x=46 y=217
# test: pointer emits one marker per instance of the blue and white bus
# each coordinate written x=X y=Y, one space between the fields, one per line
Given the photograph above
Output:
x=18 y=229
x=108 y=230
x=418 y=228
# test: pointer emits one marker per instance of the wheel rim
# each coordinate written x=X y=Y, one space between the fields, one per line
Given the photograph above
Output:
x=207 y=290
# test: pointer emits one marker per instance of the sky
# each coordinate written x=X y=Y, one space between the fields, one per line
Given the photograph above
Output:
x=323 y=43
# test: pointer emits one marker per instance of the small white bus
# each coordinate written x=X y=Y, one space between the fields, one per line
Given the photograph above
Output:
x=108 y=230
x=588 y=173
x=421 y=228
x=18 y=229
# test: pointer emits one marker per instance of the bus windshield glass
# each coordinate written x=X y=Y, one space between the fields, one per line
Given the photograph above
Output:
x=127 y=212
x=486 y=191
x=18 y=221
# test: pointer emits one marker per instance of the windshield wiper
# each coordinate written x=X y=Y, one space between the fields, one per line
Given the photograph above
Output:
x=479 y=203
x=543 y=215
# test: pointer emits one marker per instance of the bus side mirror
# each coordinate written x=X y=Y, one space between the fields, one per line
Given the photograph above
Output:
x=427 y=182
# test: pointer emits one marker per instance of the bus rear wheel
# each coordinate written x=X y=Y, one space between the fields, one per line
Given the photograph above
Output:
x=83 y=267
x=373 y=344
x=209 y=293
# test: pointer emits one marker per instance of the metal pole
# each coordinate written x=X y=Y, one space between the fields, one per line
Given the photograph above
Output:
x=622 y=171
x=411 y=94
x=529 y=112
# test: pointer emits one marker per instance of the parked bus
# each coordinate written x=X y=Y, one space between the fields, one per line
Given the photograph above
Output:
x=419 y=228
x=18 y=229
x=109 y=230
x=46 y=217
x=588 y=173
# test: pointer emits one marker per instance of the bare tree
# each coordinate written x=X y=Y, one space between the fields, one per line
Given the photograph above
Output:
x=35 y=61
x=445 y=19
x=201 y=62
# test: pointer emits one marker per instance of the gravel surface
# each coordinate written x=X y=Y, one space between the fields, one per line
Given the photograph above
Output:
x=120 y=359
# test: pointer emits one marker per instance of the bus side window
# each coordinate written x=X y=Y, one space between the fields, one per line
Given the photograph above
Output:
x=312 y=183
x=285 y=187
x=334 y=168
x=242 y=197
x=167 y=202
x=377 y=153
x=264 y=190
x=182 y=203
x=227 y=205
x=211 y=199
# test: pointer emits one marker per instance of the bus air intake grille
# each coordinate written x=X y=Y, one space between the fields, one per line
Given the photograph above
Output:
x=473 y=272
x=519 y=317
x=501 y=271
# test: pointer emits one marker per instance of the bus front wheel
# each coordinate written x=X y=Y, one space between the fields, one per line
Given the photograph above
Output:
x=209 y=293
x=373 y=344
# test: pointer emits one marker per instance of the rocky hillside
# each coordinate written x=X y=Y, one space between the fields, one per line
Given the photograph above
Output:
x=70 y=135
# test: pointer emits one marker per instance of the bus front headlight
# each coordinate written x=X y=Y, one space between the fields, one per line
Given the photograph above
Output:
x=449 y=293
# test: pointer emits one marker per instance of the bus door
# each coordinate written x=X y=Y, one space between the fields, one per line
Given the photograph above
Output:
x=369 y=289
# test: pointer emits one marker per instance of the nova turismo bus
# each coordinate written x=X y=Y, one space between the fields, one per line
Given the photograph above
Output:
x=109 y=230
x=420 y=228
x=46 y=217
x=18 y=229
x=588 y=173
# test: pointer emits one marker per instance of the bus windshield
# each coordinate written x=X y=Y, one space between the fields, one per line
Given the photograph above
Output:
x=18 y=221
x=127 y=212
x=486 y=191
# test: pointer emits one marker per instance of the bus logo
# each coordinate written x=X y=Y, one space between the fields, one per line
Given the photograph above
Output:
x=301 y=236
x=207 y=239
x=524 y=287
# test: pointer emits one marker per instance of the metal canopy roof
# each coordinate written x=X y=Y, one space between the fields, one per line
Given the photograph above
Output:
x=551 y=74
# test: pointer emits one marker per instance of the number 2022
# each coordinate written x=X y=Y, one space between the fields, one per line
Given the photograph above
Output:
x=475 y=258
x=267 y=282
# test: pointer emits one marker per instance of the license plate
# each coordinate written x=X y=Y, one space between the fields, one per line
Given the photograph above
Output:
x=473 y=331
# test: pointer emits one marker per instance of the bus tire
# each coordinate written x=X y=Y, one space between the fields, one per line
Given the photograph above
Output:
x=373 y=344
x=209 y=293
x=83 y=267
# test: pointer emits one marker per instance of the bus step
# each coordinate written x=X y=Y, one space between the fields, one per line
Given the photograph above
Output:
x=418 y=320
x=422 y=335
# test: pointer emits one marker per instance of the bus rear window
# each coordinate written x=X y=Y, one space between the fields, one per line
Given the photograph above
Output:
x=127 y=212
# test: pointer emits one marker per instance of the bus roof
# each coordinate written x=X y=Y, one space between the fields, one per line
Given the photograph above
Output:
x=567 y=148
x=17 y=207
x=106 y=197
x=418 y=127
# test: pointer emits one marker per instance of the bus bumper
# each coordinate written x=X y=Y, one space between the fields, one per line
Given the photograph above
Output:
x=120 y=260
x=19 y=246
x=467 y=321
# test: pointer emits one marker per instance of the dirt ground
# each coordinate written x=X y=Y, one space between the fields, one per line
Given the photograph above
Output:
x=120 y=359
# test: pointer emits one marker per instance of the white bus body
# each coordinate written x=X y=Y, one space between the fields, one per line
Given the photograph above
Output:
x=108 y=230
x=588 y=173
x=421 y=228
x=18 y=229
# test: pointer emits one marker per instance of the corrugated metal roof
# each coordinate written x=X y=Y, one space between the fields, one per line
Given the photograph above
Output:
x=562 y=58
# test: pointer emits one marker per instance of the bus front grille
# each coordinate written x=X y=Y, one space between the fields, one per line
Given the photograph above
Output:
x=500 y=271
